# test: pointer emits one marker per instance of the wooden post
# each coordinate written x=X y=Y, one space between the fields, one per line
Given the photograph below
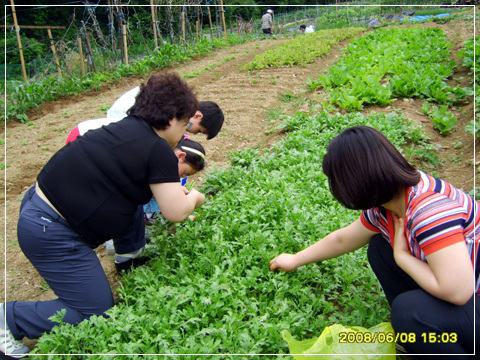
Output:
x=125 y=52
x=113 y=40
x=183 y=24
x=54 y=52
x=210 y=21
x=223 y=20
x=198 y=23
x=154 y=21
x=89 y=48
x=80 y=50
x=20 y=50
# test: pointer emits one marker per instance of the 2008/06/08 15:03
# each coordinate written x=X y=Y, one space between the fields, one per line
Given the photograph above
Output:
x=391 y=337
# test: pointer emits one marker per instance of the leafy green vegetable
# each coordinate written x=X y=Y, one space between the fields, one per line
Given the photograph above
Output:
x=301 y=50
x=402 y=62
x=208 y=289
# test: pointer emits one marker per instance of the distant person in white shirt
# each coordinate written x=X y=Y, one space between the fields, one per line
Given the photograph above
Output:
x=207 y=120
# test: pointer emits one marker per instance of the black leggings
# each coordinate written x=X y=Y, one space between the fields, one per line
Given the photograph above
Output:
x=430 y=325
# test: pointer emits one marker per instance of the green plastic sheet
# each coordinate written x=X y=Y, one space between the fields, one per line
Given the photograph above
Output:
x=345 y=343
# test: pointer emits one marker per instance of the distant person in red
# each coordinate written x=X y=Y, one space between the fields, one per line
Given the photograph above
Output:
x=207 y=120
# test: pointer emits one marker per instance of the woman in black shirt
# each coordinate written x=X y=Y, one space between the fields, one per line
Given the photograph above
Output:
x=89 y=192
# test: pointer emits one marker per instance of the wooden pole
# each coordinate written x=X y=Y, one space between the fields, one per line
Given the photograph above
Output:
x=20 y=50
x=223 y=20
x=80 y=50
x=154 y=20
x=113 y=40
x=210 y=21
x=89 y=48
x=125 y=52
x=183 y=24
x=198 y=22
x=54 y=52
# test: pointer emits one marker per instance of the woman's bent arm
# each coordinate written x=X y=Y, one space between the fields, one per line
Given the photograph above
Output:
x=174 y=203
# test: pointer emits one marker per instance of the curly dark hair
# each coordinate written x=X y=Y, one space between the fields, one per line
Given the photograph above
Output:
x=162 y=98
x=365 y=169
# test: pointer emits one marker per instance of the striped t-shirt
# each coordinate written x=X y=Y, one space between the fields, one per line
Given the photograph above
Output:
x=436 y=214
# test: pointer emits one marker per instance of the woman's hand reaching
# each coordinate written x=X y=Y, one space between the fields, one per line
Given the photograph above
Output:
x=284 y=262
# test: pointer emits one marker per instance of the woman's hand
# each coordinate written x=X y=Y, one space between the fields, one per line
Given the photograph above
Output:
x=198 y=197
x=284 y=262
x=400 y=242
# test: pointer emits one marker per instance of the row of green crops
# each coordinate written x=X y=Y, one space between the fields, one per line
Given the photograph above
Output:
x=389 y=63
x=23 y=96
x=302 y=50
x=471 y=59
x=208 y=289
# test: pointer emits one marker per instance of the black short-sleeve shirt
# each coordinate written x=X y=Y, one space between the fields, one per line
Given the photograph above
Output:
x=98 y=181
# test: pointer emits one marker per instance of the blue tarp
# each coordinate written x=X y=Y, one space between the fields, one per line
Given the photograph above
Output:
x=426 y=17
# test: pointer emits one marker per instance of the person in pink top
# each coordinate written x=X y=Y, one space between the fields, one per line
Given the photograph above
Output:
x=422 y=236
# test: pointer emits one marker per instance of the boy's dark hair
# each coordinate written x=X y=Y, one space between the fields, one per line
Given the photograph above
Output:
x=364 y=168
x=194 y=160
x=163 y=98
x=302 y=27
x=212 y=119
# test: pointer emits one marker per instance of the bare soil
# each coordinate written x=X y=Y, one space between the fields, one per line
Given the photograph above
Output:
x=248 y=101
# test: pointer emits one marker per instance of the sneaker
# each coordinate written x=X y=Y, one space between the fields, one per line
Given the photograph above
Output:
x=130 y=264
x=110 y=248
x=130 y=260
x=154 y=218
x=9 y=347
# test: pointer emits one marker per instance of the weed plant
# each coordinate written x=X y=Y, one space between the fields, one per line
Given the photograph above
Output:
x=208 y=289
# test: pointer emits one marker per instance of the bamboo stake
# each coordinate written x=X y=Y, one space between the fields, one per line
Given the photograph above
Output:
x=112 y=31
x=89 y=48
x=198 y=23
x=80 y=50
x=223 y=20
x=210 y=20
x=54 y=52
x=20 y=50
x=125 y=52
x=154 y=20
x=183 y=25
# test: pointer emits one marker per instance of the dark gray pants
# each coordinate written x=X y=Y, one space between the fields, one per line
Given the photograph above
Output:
x=439 y=326
x=69 y=266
